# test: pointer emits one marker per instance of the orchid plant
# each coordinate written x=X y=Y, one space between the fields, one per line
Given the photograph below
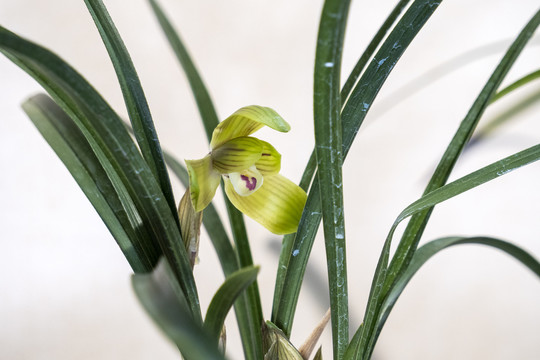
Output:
x=123 y=171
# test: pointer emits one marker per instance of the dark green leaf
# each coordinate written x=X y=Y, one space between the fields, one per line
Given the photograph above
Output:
x=225 y=297
x=134 y=97
x=73 y=149
x=352 y=117
x=416 y=225
x=515 y=85
x=202 y=97
x=249 y=316
x=288 y=240
x=156 y=292
x=328 y=144
x=429 y=200
x=112 y=145
x=385 y=276
x=505 y=117
x=370 y=50
x=424 y=253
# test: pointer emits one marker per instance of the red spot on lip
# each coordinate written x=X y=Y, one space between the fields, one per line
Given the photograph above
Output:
x=250 y=184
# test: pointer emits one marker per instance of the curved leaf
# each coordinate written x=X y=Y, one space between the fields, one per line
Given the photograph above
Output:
x=134 y=97
x=328 y=144
x=164 y=303
x=425 y=252
x=113 y=146
x=72 y=148
x=202 y=97
x=225 y=297
x=249 y=317
x=352 y=116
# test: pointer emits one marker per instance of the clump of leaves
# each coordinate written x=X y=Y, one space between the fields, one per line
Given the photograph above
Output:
x=128 y=183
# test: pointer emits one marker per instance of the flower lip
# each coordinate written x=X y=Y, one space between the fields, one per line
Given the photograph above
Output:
x=251 y=182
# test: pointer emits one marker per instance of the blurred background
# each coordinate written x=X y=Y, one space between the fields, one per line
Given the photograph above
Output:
x=64 y=285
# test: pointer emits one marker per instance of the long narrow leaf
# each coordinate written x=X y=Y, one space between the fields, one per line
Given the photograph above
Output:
x=225 y=297
x=157 y=294
x=328 y=142
x=416 y=225
x=73 y=149
x=496 y=122
x=248 y=308
x=425 y=252
x=385 y=276
x=459 y=186
x=288 y=240
x=113 y=146
x=352 y=118
x=202 y=97
x=503 y=118
x=515 y=85
x=137 y=107
x=370 y=50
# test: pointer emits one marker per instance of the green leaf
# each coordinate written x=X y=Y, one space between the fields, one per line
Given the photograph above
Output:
x=248 y=308
x=156 y=292
x=425 y=252
x=353 y=114
x=73 y=149
x=515 y=85
x=370 y=50
x=225 y=297
x=113 y=146
x=479 y=177
x=328 y=144
x=502 y=119
x=385 y=276
x=137 y=107
x=202 y=97
x=417 y=223
x=287 y=243
x=459 y=186
x=229 y=264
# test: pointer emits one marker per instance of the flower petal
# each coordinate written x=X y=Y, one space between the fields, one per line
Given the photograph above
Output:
x=270 y=160
x=203 y=182
x=277 y=205
x=237 y=154
x=245 y=183
x=245 y=122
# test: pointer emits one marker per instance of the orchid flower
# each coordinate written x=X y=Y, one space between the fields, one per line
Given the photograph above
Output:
x=249 y=168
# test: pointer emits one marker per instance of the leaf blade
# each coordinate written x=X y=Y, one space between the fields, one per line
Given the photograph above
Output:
x=111 y=143
x=329 y=144
x=72 y=148
x=157 y=295
x=225 y=297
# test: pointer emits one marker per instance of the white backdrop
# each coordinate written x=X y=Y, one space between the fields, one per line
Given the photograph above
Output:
x=64 y=285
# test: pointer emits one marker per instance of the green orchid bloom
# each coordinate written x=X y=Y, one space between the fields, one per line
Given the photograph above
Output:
x=249 y=168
